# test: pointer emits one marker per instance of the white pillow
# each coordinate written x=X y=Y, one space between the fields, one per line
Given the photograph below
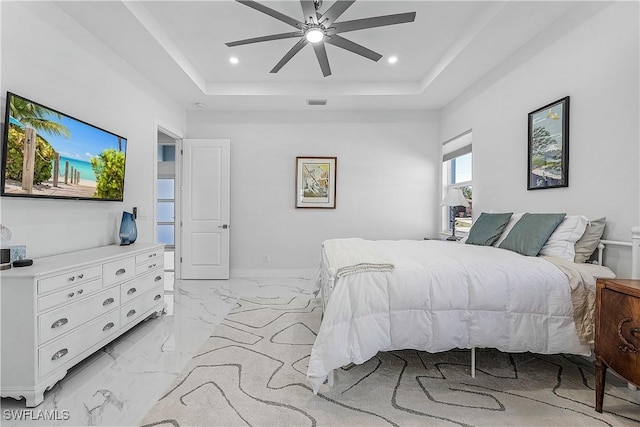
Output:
x=512 y=221
x=562 y=242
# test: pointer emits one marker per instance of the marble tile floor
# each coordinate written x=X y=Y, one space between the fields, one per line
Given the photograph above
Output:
x=121 y=382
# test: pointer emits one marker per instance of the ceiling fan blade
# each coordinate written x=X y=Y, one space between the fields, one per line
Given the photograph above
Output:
x=309 y=11
x=378 y=21
x=336 y=40
x=295 y=49
x=335 y=11
x=321 y=54
x=271 y=12
x=266 y=38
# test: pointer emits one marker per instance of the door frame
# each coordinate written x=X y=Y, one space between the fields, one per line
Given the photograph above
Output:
x=177 y=137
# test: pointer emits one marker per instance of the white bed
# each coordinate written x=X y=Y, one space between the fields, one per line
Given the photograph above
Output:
x=443 y=295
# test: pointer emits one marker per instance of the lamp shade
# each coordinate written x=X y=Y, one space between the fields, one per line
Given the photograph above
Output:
x=455 y=198
x=5 y=233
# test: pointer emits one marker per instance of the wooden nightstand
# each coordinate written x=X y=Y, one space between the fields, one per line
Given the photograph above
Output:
x=617 y=343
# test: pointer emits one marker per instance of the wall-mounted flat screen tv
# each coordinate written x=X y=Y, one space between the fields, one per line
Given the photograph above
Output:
x=48 y=154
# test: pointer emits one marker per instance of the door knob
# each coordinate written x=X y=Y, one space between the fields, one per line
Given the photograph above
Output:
x=225 y=226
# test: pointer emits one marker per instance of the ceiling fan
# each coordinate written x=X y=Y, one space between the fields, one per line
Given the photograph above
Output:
x=320 y=28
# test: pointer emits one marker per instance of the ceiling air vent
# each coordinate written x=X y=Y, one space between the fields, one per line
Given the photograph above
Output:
x=316 y=102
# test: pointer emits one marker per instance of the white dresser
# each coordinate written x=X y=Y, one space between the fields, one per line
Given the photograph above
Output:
x=63 y=308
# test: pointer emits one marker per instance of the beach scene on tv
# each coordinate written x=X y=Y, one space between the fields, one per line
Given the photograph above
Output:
x=52 y=155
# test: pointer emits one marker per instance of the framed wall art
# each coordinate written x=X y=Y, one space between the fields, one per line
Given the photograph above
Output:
x=548 y=158
x=316 y=182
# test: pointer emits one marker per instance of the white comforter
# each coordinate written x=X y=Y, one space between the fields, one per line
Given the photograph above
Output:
x=440 y=296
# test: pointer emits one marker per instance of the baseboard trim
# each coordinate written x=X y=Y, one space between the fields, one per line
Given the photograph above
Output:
x=272 y=273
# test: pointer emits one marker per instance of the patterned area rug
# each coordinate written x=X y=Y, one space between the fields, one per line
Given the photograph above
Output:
x=252 y=371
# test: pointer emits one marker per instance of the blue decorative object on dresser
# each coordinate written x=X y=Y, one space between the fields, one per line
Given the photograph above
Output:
x=128 y=229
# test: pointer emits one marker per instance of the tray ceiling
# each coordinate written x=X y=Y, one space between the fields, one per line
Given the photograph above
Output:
x=180 y=47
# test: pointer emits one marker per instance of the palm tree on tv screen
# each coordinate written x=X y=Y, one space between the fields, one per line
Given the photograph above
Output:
x=33 y=115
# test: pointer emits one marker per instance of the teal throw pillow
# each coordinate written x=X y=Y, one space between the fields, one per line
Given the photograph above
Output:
x=530 y=234
x=488 y=228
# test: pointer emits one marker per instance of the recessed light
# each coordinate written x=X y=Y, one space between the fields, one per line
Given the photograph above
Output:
x=234 y=60
x=392 y=59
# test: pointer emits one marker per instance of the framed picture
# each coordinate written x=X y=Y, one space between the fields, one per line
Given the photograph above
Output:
x=316 y=182
x=549 y=146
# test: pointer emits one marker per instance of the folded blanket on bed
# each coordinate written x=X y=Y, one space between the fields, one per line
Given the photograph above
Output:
x=354 y=255
x=582 y=281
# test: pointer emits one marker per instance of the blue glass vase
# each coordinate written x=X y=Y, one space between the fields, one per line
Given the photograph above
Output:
x=128 y=229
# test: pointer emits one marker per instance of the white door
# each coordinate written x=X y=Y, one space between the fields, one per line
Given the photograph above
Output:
x=205 y=209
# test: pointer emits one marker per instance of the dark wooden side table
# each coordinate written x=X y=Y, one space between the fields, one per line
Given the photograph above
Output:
x=617 y=341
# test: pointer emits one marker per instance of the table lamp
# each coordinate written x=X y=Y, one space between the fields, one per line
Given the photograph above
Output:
x=5 y=253
x=454 y=198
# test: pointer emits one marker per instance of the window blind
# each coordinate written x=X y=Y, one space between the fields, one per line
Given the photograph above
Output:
x=457 y=146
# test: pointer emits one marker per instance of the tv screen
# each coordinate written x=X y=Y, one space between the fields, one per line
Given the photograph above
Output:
x=48 y=154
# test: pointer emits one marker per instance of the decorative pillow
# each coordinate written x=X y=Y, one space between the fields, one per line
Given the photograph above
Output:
x=530 y=234
x=514 y=219
x=587 y=244
x=488 y=228
x=561 y=243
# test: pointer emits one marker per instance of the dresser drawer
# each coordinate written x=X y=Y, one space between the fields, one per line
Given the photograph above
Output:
x=618 y=340
x=69 y=295
x=142 y=284
x=118 y=271
x=136 y=308
x=149 y=265
x=71 y=277
x=150 y=256
x=61 y=353
x=68 y=317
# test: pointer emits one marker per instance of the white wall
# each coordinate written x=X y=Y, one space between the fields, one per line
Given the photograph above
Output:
x=48 y=58
x=593 y=57
x=387 y=181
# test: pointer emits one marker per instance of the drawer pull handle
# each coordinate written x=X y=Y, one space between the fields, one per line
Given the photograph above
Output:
x=131 y=291
x=157 y=279
x=58 y=354
x=59 y=322
x=152 y=255
x=108 y=326
x=121 y=271
x=72 y=278
x=157 y=297
x=70 y=295
x=108 y=301
x=80 y=276
x=131 y=313
x=152 y=265
x=80 y=291
x=626 y=346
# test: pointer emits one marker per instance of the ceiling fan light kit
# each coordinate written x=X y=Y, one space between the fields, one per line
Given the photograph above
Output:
x=314 y=34
x=320 y=28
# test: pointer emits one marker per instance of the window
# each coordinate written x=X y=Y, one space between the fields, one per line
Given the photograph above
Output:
x=165 y=211
x=166 y=153
x=166 y=206
x=457 y=172
x=166 y=194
